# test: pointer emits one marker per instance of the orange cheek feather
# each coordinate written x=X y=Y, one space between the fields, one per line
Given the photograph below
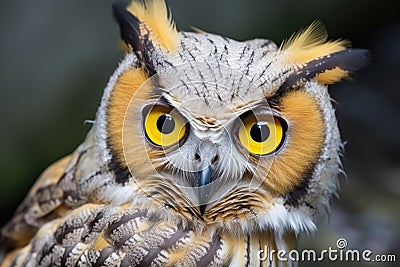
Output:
x=304 y=141
x=125 y=88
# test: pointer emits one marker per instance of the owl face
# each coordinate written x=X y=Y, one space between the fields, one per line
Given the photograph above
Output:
x=220 y=132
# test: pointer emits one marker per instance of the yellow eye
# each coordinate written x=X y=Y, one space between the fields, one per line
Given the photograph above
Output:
x=261 y=135
x=163 y=127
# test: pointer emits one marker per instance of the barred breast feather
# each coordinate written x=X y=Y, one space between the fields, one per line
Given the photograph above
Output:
x=99 y=235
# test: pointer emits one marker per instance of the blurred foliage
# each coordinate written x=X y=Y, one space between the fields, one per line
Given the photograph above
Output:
x=56 y=57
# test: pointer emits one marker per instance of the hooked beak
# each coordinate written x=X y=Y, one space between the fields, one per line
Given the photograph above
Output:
x=206 y=156
x=204 y=177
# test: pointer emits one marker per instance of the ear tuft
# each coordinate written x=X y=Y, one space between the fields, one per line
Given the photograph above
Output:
x=310 y=44
x=129 y=27
x=156 y=19
x=328 y=69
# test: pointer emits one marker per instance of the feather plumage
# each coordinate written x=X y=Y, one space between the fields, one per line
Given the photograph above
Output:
x=154 y=15
x=310 y=44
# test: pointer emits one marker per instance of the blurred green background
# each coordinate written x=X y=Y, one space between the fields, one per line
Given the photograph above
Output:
x=56 y=57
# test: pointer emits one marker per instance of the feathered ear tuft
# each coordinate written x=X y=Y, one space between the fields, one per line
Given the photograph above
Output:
x=310 y=44
x=329 y=69
x=129 y=27
x=157 y=21
x=144 y=27
x=314 y=57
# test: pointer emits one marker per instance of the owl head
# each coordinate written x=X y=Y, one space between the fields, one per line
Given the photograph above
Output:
x=207 y=131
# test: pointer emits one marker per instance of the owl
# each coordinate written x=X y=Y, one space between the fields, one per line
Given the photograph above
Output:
x=205 y=151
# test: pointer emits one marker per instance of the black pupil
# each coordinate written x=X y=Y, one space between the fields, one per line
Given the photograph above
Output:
x=259 y=132
x=165 y=124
